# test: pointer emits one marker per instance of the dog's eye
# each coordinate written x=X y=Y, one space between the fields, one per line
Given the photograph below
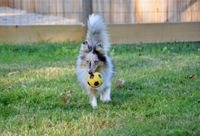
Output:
x=96 y=62
x=99 y=45
x=85 y=42
x=87 y=61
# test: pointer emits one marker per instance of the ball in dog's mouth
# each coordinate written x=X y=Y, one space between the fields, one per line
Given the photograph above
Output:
x=95 y=80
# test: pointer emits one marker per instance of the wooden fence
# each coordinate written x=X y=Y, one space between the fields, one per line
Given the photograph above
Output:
x=130 y=21
x=115 y=11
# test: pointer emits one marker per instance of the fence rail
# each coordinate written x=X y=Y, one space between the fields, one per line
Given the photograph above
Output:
x=114 y=11
x=119 y=33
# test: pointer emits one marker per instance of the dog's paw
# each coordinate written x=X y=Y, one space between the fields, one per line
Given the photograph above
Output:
x=105 y=98
x=94 y=107
x=93 y=103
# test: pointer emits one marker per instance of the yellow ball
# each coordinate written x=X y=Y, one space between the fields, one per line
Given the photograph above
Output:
x=95 y=80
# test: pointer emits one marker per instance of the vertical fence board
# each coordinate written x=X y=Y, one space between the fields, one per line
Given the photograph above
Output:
x=28 y=5
x=87 y=10
x=59 y=8
x=196 y=11
x=184 y=10
x=53 y=7
x=5 y=3
x=172 y=11
x=162 y=13
x=131 y=11
x=17 y=4
x=138 y=11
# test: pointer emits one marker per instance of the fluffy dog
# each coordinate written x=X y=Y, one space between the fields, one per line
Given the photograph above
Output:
x=93 y=57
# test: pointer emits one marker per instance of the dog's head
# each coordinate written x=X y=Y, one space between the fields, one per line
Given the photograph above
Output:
x=87 y=47
x=92 y=56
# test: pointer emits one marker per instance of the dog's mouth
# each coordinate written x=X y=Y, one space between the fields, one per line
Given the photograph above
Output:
x=91 y=71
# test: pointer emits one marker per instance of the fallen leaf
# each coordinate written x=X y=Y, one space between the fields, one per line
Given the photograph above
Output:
x=12 y=73
x=120 y=83
x=192 y=77
x=140 y=54
x=65 y=96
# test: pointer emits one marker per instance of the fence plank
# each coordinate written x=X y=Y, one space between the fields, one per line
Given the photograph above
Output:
x=28 y=5
x=138 y=11
x=5 y=3
x=53 y=7
x=87 y=10
x=59 y=8
x=195 y=8
x=17 y=4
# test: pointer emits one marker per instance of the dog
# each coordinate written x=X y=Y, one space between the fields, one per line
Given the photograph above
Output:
x=93 y=57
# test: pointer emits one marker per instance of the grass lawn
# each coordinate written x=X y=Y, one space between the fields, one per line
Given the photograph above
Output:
x=39 y=92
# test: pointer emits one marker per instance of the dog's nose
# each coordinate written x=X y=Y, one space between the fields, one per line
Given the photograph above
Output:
x=90 y=72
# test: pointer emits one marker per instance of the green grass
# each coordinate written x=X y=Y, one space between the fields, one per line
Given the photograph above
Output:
x=40 y=95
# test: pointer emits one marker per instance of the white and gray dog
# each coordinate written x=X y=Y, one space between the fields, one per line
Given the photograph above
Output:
x=93 y=57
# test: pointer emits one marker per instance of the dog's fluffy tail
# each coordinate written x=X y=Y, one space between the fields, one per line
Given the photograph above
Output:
x=97 y=32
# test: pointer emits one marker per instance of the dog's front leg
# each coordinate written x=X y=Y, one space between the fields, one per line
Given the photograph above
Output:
x=105 y=94
x=92 y=97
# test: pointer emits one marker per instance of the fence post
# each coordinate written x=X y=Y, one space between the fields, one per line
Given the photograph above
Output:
x=87 y=10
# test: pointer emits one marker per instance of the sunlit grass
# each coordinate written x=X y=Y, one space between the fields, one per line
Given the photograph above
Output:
x=40 y=95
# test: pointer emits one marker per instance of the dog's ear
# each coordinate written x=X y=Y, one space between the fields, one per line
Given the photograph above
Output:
x=85 y=47
x=99 y=48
